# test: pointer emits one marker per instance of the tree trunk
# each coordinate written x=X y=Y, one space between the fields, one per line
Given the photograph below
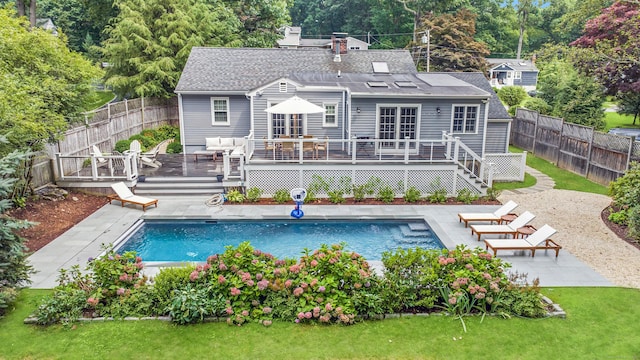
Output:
x=20 y=7
x=32 y=13
x=520 y=42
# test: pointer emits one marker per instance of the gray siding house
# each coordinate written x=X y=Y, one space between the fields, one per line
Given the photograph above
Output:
x=512 y=72
x=372 y=94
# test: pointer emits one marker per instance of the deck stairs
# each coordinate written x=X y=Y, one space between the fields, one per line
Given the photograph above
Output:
x=177 y=186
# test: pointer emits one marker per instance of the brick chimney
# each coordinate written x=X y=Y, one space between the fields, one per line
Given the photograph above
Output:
x=339 y=43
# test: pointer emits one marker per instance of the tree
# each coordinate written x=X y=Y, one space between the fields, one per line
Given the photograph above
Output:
x=573 y=96
x=70 y=17
x=454 y=48
x=150 y=41
x=42 y=84
x=420 y=8
x=14 y=269
x=612 y=43
x=523 y=9
x=259 y=19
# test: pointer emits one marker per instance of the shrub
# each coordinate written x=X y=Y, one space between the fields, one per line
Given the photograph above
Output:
x=165 y=132
x=521 y=300
x=336 y=196
x=174 y=147
x=537 y=104
x=151 y=134
x=122 y=146
x=625 y=192
x=493 y=193
x=144 y=141
x=466 y=196
x=281 y=196
x=412 y=195
x=235 y=196
x=65 y=305
x=192 y=304
x=386 y=194
x=254 y=194
x=170 y=279
x=368 y=188
x=512 y=95
x=438 y=196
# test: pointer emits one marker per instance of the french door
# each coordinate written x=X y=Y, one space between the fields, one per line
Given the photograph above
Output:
x=397 y=123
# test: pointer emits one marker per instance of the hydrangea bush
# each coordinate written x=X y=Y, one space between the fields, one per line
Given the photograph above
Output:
x=326 y=285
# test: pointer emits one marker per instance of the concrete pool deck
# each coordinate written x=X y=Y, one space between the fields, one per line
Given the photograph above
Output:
x=107 y=224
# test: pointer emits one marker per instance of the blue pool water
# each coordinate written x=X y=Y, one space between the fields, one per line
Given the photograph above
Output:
x=178 y=241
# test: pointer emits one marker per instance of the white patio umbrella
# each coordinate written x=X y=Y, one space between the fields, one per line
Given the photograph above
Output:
x=294 y=106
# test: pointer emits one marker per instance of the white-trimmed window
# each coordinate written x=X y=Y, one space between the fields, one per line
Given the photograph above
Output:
x=330 y=118
x=465 y=119
x=518 y=75
x=219 y=111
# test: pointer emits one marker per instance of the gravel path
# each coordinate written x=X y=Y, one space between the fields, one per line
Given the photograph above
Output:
x=576 y=216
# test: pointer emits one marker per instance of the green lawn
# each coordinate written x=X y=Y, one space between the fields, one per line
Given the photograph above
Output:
x=601 y=323
x=100 y=98
x=615 y=120
x=564 y=179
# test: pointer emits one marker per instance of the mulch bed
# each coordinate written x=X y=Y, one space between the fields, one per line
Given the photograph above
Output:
x=618 y=229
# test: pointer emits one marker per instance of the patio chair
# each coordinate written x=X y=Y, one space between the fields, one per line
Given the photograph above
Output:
x=507 y=229
x=149 y=158
x=124 y=195
x=491 y=217
x=322 y=146
x=269 y=146
x=308 y=146
x=288 y=147
x=101 y=161
x=539 y=240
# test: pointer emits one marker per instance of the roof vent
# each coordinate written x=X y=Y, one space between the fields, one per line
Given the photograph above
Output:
x=406 y=84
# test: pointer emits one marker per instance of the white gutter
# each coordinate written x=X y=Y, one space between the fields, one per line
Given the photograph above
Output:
x=486 y=121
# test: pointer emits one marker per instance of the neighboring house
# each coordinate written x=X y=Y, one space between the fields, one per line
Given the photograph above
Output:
x=373 y=94
x=293 y=40
x=47 y=24
x=512 y=72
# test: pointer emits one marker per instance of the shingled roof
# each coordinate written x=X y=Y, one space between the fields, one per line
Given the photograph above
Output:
x=496 y=109
x=241 y=69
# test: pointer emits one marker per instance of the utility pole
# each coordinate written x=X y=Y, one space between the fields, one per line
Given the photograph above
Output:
x=426 y=39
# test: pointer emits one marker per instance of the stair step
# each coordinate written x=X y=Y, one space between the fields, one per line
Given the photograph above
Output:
x=407 y=232
x=418 y=226
x=157 y=186
x=178 y=191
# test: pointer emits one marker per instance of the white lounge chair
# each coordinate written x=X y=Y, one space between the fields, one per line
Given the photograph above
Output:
x=99 y=156
x=124 y=195
x=506 y=229
x=494 y=216
x=540 y=239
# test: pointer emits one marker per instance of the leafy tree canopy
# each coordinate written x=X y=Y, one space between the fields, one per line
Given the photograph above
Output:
x=452 y=43
x=42 y=84
x=150 y=41
x=259 y=19
x=613 y=41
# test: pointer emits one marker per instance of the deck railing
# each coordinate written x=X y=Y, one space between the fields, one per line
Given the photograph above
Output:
x=97 y=167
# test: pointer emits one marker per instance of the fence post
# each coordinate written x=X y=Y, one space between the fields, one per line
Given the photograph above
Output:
x=560 y=142
x=142 y=110
x=535 y=133
x=586 y=172
x=523 y=165
x=456 y=149
x=630 y=152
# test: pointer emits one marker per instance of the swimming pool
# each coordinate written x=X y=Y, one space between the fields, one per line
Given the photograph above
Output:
x=195 y=240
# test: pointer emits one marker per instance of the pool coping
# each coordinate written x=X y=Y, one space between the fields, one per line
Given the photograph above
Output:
x=106 y=225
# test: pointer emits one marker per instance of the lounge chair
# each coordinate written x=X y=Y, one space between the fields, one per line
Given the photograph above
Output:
x=124 y=195
x=149 y=158
x=494 y=216
x=508 y=229
x=101 y=161
x=538 y=240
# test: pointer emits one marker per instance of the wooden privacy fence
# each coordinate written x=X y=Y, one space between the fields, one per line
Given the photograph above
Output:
x=103 y=128
x=597 y=156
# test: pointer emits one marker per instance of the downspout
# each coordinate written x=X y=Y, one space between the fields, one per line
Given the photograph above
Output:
x=486 y=123
x=252 y=118
x=347 y=115
x=181 y=119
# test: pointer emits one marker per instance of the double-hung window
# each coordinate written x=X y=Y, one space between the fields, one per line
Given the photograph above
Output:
x=465 y=119
x=219 y=111
x=330 y=118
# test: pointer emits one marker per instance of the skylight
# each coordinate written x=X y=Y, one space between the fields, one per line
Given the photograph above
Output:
x=377 y=84
x=406 y=84
x=380 y=67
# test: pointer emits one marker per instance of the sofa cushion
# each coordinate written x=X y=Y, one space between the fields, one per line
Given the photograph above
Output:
x=212 y=142
x=226 y=143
